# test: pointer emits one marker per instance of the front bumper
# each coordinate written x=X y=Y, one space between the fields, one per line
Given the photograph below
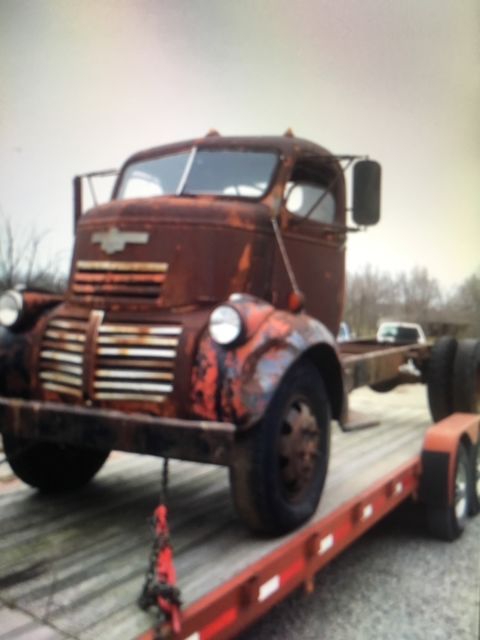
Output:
x=196 y=440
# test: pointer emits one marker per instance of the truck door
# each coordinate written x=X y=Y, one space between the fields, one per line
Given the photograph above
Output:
x=313 y=221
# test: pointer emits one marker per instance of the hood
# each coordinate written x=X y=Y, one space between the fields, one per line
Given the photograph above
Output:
x=170 y=252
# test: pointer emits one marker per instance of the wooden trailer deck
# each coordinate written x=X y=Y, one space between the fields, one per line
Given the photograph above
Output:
x=72 y=566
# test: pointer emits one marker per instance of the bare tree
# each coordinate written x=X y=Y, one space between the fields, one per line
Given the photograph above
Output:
x=415 y=296
x=373 y=295
x=465 y=302
x=369 y=293
x=20 y=262
x=419 y=294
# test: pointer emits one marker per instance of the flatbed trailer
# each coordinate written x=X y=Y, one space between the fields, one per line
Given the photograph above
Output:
x=73 y=566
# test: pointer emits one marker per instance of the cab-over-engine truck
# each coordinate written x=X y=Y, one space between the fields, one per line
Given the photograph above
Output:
x=199 y=323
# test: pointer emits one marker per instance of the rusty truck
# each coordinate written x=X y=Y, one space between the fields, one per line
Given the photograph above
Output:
x=199 y=323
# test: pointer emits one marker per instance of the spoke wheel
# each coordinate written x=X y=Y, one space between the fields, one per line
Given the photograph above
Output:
x=299 y=449
x=280 y=464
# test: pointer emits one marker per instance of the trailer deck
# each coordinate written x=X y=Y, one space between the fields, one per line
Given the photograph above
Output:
x=72 y=566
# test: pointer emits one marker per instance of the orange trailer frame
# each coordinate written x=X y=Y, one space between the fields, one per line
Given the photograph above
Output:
x=239 y=602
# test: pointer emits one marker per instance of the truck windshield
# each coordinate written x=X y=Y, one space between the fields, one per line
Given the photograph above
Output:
x=245 y=174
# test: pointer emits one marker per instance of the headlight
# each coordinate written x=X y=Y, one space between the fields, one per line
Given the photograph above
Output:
x=225 y=325
x=11 y=305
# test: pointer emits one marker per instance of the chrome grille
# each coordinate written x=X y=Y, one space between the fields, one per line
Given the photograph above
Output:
x=135 y=362
x=61 y=356
x=119 y=279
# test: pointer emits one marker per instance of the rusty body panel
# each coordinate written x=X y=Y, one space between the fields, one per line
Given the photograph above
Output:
x=198 y=253
x=237 y=384
x=131 y=333
x=109 y=359
x=198 y=440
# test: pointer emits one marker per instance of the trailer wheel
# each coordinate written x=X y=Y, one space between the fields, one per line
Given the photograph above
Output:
x=281 y=463
x=440 y=378
x=448 y=522
x=52 y=467
x=466 y=377
x=474 y=506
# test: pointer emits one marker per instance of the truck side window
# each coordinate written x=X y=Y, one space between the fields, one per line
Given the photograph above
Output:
x=310 y=200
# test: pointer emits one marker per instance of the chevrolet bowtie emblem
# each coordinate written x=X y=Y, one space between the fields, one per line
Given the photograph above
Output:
x=114 y=240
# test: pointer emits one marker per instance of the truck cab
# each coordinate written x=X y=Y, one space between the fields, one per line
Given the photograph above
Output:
x=198 y=323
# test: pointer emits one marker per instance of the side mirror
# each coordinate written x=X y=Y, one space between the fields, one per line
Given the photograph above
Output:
x=366 y=192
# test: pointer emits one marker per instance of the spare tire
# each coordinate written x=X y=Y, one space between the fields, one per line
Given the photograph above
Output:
x=440 y=378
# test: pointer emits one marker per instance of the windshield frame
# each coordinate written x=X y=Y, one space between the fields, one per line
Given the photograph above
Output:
x=192 y=149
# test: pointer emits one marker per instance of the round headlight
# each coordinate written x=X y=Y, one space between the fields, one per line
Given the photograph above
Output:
x=11 y=304
x=225 y=325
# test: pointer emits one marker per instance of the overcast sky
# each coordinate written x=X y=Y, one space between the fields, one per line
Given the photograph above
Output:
x=84 y=83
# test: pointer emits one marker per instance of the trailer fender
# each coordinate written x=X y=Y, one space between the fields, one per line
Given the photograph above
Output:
x=439 y=457
x=236 y=384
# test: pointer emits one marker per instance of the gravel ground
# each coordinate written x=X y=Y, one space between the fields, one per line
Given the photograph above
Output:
x=396 y=583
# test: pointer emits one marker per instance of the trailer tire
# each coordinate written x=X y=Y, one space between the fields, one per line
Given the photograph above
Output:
x=440 y=378
x=52 y=467
x=466 y=377
x=474 y=503
x=448 y=522
x=280 y=464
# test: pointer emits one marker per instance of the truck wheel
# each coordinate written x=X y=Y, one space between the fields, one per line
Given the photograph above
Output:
x=448 y=522
x=280 y=464
x=52 y=467
x=440 y=378
x=466 y=377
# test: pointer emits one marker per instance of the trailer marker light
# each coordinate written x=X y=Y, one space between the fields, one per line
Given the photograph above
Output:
x=367 y=511
x=268 y=588
x=398 y=488
x=326 y=544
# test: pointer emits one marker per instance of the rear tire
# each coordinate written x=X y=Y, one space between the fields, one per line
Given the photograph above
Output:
x=448 y=522
x=52 y=467
x=281 y=463
x=466 y=377
x=440 y=378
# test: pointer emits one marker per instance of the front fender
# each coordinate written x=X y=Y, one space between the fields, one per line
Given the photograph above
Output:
x=237 y=384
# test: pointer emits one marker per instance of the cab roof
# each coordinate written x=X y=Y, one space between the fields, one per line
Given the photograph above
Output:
x=287 y=145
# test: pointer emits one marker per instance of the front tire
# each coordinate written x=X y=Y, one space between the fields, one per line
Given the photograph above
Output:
x=52 y=467
x=281 y=463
